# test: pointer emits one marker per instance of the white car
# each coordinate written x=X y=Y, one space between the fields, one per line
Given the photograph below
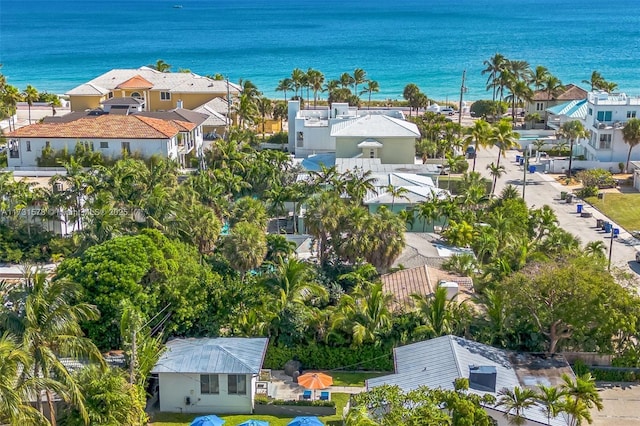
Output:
x=447 y=111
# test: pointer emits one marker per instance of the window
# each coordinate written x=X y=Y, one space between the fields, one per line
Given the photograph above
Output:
x=126 y=147
x=104 y=145
x=372 y=153
x=605 y=141
x=300 y=139
x=135 y=95
x=165 y=96
x=604 y=116
x=28 y=145
x=237 y=384
x=590 y=111
x=631 y=114
x=110 y=95
x=209 y=384
x=539 y=106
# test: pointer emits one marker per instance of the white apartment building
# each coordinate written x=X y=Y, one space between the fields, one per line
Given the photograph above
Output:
x=351 y=133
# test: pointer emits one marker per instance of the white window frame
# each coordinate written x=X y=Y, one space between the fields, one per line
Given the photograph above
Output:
x=604 y=141
x=206 y=389
x=231 y=378
x=165 y=96
x=104 y=145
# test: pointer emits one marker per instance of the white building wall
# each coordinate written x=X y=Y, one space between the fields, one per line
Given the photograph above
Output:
x=166 y=148
x=176 y=387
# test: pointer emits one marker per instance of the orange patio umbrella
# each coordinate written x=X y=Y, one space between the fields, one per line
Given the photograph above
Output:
x=315 y=381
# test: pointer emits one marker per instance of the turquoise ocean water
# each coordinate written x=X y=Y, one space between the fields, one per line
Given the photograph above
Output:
x=56 y=45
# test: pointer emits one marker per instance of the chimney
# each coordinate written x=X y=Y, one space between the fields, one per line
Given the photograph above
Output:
x=179 y=104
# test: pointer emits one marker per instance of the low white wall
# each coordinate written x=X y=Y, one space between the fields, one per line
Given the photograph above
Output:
x=560 y=166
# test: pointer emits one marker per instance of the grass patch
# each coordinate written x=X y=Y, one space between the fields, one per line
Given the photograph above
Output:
x=621 y=208
x=174 y=419
x=352 y=379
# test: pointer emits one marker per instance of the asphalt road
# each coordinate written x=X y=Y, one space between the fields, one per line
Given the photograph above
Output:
x=543 y=189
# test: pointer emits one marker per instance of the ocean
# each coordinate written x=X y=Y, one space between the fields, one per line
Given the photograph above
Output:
x=55 y=45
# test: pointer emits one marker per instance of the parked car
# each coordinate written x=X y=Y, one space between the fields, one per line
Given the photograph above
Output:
x=447 y=111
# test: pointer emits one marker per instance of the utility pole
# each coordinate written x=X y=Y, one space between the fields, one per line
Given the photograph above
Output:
x=525 y=163
x=610 y=249
x=228 y=107
x=462 y=92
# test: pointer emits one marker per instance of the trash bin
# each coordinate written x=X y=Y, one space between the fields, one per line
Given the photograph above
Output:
x=616 y=232
x=607 y=227
x=569 y=198
x=563 y=195
x=599 y=223
x=600 y=195
x=522 y=161
x=604 y=225
x=518 y=159
x=579 y=208
x=532 y=169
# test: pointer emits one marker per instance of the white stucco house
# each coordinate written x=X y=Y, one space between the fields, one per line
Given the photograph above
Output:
x=210 y=375
x=438 y=362
x=351 y=132
x=172 y=135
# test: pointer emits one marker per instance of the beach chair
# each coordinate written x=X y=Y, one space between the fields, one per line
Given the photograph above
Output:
x=306 y=395
x=325 y=396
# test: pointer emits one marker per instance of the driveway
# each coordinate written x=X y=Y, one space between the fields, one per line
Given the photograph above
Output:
x=543 y=189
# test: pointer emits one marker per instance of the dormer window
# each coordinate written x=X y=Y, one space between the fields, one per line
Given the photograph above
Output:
x=136 y=95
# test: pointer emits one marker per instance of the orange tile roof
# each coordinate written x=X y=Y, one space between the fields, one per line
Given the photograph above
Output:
x=135 y=82
x=102 y=127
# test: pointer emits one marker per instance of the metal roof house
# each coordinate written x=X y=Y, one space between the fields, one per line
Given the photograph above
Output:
x=438 y=362
x=210 y=374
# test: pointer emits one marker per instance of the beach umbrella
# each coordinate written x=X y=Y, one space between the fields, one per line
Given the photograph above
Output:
x=252 y=422
x=306 y=421
x=315 y=381
x=210 y=420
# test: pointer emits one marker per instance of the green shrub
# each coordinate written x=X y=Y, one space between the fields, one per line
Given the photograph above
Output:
x=280 y=138
x=324 y=357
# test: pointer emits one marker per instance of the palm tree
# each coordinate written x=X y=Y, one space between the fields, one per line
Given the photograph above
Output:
x=411 y=93
x=503 y=136
x=292 y=283
x=573 y=130
x=161 y=66
x=346 y=80
x=322 y=218
x=285 y=85
x=553 y=86
x=477 y=135
x=440 y=314
x=396 y=191
x=371 y=87
x=538 y=144
x=595 y=248
x=30 y=95
x=49 y=326
x=245 y=247
x=631 y=136
x=495 y=66
x=539 y=77
x=580 y=393
x=596 y=81
x=297 y=79
x=495 y=172
x=551 y=398
x=316 y=81
x=265 y=107
x=359 y=77
x=10 y=98
x=515 y=402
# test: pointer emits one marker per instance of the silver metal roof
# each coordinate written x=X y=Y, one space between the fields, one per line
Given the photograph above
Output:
x=374 y=126
x=436 y=363
x=223 y=355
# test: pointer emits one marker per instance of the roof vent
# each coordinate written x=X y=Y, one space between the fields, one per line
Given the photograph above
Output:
x=482 y=377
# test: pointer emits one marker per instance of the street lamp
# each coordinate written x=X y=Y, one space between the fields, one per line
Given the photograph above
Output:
x=610 y=249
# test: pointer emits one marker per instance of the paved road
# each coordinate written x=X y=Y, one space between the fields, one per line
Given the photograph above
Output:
x=543 y=189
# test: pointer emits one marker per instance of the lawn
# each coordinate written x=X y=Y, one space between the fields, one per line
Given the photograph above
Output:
x=171 y=419
x=621 y=208
x=352 y=379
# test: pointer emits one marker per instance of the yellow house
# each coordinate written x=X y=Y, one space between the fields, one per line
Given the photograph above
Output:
x=161 y=91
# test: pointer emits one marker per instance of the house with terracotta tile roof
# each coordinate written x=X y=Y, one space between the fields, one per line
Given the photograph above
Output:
x=170 y=135
x=160 y=91
x=542 y=100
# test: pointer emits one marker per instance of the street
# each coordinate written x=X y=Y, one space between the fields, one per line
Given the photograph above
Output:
x=543 y=189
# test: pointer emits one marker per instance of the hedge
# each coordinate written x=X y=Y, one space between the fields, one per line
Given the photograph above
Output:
x=374 y=358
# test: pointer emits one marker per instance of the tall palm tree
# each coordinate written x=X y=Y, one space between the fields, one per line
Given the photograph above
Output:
x=515 y=402
x=503 y=137
x=346 y=80
x=359 y=77
x=478 y=135
x=439 y=314
x=539 y=77
x=553 y=86
x=245 y=247
x=30 y=95
x=265 y=107
x=292 y=282
x=631 y=136
x=161 y=66
x=596 y=81
x=49 y=326
x=396 y=192
x=10 y=98
x=495 y=172
x=285 y=85
x=297 y=79
x=495 y=66
x=573 y=131
x=371 y=87
x=316 y=81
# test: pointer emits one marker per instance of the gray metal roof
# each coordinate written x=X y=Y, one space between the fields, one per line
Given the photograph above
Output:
x=223 y=355
x=179 y=114
x=436 y=363
x=374 y=126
